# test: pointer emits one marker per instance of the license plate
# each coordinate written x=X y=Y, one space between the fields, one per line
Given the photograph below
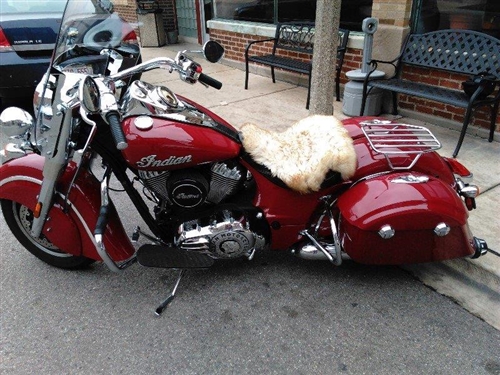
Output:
x=81 y=69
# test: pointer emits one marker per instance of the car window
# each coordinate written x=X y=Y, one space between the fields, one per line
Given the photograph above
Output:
x=32 y=6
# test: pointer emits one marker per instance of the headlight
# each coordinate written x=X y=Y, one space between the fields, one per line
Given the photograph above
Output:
x=15 y=122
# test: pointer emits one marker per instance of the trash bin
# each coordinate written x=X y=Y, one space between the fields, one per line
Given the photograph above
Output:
x=150 y=23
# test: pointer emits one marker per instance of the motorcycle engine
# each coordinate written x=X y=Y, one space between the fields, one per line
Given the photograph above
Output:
x=223 y=234
x=190 y=188
x=226 y=238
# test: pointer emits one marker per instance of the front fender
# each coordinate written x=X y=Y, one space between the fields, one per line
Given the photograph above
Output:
x=71 y=230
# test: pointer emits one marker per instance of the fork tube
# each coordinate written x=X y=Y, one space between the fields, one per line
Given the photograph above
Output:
x=52 y=168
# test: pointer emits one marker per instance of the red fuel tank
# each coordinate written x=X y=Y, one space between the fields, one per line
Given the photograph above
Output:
x=167 y=144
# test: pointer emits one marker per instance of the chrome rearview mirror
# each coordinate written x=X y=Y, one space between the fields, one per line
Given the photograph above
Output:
x=90 y=98
x=213 y=51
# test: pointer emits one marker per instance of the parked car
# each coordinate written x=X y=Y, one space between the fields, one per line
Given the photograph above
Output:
x=28 y=31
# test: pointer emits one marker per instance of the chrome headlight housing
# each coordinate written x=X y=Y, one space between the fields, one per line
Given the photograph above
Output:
x=15 y=126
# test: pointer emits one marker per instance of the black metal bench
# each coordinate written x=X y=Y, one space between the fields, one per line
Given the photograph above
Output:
x=455 y=51
x=296 y=37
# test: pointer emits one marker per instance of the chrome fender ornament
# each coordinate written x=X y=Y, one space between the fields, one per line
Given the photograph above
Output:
x=410 y=179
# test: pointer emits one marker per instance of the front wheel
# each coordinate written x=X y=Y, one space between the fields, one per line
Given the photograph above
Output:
x=19 y=218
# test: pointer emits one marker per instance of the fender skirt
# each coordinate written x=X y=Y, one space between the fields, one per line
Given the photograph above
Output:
x=71 y=230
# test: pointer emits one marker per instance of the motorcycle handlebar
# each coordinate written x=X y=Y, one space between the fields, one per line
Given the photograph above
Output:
x=159 y=62
x=165 y=63
x=210 y=81
x=116 y=130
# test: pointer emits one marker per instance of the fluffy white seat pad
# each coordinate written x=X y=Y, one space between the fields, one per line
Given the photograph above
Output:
x=302 y=155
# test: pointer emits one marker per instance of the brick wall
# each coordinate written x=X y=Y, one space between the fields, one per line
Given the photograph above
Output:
x=127 y=12
x=169 y=15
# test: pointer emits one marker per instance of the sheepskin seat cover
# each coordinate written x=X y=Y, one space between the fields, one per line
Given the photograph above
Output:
x=302 y=155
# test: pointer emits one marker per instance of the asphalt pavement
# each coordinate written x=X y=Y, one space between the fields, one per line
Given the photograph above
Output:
x=275 y=314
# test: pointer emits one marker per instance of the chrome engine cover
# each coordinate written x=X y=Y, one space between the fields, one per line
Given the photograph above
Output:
x=227 y=239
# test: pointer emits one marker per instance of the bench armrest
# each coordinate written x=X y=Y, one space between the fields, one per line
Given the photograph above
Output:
x=257 y=41
x=374 y=63
x=485 y=84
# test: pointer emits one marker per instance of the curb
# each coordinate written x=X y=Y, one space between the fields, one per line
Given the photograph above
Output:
x=468 y=282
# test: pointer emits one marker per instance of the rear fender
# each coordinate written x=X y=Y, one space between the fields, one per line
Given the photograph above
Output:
x=70 y=230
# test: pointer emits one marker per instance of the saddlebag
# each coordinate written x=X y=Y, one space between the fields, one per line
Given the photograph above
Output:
x=402 y=218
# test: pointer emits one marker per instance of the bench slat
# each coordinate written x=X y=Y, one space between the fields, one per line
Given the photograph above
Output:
x=282 y=62
x=447 y=96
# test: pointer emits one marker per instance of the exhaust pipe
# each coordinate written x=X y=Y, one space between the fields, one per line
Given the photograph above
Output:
x=310 y=252
x=481 y=248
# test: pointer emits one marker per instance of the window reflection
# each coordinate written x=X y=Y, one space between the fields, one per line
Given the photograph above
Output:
x=479 y=15
x=273 y=11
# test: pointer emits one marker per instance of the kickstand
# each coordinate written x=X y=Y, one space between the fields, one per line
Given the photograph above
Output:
x=170 y=298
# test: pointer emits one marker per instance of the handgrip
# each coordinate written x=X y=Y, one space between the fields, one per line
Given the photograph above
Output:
x=116 y=130
x=210 y=81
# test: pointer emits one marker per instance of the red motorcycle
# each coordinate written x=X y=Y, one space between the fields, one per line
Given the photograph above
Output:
x=366 y=189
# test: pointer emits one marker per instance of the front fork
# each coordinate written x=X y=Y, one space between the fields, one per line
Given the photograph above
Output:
x=56 y=160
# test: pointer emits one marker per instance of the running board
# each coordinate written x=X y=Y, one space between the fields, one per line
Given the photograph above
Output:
x=170 y=257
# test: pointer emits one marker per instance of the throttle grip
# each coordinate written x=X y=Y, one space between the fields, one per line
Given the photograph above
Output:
x=210 y=81
x=116 y=130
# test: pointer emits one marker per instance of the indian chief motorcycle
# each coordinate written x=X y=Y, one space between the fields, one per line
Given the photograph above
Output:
x=366 y=189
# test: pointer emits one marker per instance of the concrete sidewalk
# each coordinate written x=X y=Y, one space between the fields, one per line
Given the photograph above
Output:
x=475 y=284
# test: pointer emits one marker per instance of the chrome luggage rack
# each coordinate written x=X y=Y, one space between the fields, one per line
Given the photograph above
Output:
x=391 y=139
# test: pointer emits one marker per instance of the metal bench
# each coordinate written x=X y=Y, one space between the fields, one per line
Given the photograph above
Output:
x=455 y=51
x=299 y=38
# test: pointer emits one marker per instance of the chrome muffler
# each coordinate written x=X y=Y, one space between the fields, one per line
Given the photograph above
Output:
x=310 y=252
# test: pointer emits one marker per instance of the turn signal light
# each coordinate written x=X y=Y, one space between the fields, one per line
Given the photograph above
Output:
x=470 y=203
x=38 y=210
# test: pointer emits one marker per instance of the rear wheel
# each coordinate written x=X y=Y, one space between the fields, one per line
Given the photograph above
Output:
x=19 y=218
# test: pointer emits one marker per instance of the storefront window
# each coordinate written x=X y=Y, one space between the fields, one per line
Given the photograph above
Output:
x=479 y=15
x=273 y=11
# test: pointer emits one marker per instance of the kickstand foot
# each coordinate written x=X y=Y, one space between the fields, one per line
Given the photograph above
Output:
x=171 y=297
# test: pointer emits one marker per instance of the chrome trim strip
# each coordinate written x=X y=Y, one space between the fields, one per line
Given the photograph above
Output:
x=20 y=178
x=34 y=47
x=410 y=179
